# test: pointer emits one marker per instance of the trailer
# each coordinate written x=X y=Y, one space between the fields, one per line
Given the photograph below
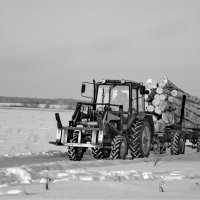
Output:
x=175 y=136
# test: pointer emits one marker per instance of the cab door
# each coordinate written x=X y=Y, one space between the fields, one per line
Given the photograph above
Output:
x=137 y=101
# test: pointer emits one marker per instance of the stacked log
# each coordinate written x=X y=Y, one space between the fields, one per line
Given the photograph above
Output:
x=163 y=100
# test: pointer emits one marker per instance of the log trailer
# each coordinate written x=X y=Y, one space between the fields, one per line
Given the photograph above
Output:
x=112 y=125
x=175 y=136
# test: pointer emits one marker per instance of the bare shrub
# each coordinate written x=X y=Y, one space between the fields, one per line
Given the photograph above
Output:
x=158 y=153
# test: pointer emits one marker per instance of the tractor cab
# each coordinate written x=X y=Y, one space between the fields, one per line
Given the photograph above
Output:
x=116 y=93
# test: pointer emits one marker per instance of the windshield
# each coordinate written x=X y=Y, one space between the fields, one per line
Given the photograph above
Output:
x=114 y=94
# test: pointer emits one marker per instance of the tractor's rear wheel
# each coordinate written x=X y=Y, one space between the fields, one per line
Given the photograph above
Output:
x=100 y=153
x=119 y=147
x=198 y=143
x=178 y=143
x=140 y=139
x=75 y=153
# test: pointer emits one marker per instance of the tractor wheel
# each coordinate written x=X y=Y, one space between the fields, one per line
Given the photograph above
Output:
x=198 y=143
x=75 y=153
x=178 y=143
x=119 y=147
x=100 y=153
x=140 y=139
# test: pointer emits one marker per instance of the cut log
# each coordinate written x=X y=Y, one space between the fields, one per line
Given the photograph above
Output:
x=166 y=91
x=177 y=93
x=192 y=117
x=187 y=105
x=163 y=105
x=177 y=110
x=189 y=98
x=163 y=97
x=159 y=90
x=157 y=110
x=159 y=125
x=166 y=83
x=150 y=108
x=168 y=118
x=166 y=99
x=187 y=124
x=166 y=106
x=156 y=102
x=157 y=96
x=175 y=100
x=151 y=84
x=197 y=106
x=188 y=115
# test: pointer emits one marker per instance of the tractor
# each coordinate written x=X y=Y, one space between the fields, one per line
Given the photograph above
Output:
x=112 y=124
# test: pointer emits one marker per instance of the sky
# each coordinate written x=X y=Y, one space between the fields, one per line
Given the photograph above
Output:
x=49 y=47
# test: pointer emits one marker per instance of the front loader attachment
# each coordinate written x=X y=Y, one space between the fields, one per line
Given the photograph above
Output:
x=64 y=135
x=59 y=133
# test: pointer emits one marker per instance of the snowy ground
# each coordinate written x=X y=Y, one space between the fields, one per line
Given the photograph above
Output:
x=28 y=164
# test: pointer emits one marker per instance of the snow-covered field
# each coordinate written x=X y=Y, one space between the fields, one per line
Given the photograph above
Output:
x=28 y=164
x=28 y=130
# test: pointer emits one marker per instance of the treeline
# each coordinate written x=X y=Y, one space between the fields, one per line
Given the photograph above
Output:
x=38 y=102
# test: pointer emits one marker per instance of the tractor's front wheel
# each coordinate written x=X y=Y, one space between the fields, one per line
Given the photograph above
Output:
x=178 y=143
x=140 y=139
x=75 y=153
x=119 y=147
x=100 y=153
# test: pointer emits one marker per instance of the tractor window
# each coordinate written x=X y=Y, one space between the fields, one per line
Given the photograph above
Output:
x=134 y=99
x=103 y=95
x=140 y=102
x=120 y=96
x=113 y=94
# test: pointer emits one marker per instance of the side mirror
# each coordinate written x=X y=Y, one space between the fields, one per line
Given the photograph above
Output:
x=83 y=88
x=142 y=90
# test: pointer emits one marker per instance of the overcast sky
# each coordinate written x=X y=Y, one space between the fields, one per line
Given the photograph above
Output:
x=48 y=47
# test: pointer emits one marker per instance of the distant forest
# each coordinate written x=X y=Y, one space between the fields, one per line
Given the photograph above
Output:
x=38 y=102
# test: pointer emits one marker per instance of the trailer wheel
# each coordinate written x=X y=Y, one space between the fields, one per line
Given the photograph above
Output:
x=75 y=153
x=140 y=139
x=100 y=153
x=119 y=147
x=198 y=143
x=178 y=143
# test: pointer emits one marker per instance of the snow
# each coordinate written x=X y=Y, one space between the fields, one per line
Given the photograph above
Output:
x=26 y=167
x=180 y=170
x=33 y=173
x=21 y=174
x=175 y=170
